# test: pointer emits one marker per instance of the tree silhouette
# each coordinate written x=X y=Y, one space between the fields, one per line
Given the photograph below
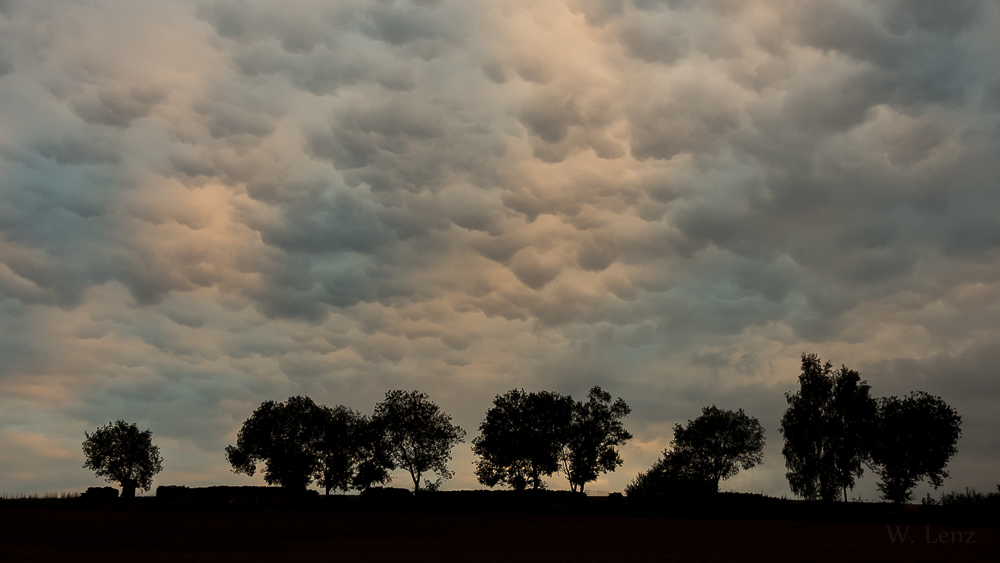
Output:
x=718 y=444
x=418 y=434
x=595 y=433
x=675 y=475
x=521 y=438
x=828 y=428
x=286 y=436
x=917 y=436
x=121 y=453
x=351 y=451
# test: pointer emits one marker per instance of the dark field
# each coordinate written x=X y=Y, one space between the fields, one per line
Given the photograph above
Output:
x=62 y=532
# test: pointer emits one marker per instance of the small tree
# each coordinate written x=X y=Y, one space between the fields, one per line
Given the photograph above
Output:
x=121 y=453
x=917 y=437
x=827 y=429
x=419 y=435
x=595 y=434
x=285 y=436
x=719 y=443
x=522 y=437
x=676 y=475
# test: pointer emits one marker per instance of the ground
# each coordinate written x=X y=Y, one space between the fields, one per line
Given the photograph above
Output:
x=112 y=533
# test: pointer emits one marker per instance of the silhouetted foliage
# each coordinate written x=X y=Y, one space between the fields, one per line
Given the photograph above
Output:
x=917 y=436
x=372 y=455
x=286 y=436
x=100 y=494
x=595 y=433
x=121 y=453
x=521 y=438
x=828 y=430
x=418 y=434
x=351 y=451
x=676 y=475
x=968 y=498
x=299 y=441
x=719 y=443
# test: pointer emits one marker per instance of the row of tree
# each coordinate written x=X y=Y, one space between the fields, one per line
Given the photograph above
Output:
x=833 y=429
x=299 y=442
x=525 y=437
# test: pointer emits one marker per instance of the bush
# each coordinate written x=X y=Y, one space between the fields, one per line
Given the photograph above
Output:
x=100 y=494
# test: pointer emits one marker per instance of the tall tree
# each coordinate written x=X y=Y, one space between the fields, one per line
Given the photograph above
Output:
x=719 y=443
x=595 y=434
x=827 y=429
x=917 y=437
x=121 y=453
x=420 y=436
x=521 y=438
x=351 y=451
x=285 y=436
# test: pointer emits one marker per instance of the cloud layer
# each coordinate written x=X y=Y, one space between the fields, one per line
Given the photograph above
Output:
x=209 y=203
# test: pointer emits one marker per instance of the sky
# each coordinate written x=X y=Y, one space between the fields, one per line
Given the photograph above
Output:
x=206 y=204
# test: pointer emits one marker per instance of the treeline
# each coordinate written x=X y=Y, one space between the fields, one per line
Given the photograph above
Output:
x=833 y=429
x=525 y=437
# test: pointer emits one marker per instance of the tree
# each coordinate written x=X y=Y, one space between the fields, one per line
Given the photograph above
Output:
x=675 y=475
x=350 y=451
x=286 y=436
x=418 y=434
x=595 y=433
x=719 y=443
x=917 y=436
x=521 y=438
x=827 y=429
x=121 y=453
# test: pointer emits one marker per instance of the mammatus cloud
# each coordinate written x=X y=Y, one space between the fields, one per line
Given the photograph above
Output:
x=206 y=204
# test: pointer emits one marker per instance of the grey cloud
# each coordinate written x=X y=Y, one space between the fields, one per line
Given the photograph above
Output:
x=946 y=17
x=362 y=195
x=653 y=43
x=550 y=117
x=75 y=149
x=225 y=120
x=840 y=105
x=119 y=108
x=399 y=24
x=833 y=26
x=600 y=12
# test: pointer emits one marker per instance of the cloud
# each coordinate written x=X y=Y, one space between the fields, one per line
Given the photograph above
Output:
x=211 y=204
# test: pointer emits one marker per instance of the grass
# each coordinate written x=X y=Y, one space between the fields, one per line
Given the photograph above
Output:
x=48 y=495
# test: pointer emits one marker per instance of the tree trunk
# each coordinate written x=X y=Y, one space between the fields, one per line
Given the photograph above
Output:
x=128 y=489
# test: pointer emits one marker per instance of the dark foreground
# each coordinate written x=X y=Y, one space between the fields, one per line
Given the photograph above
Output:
x=54 y=532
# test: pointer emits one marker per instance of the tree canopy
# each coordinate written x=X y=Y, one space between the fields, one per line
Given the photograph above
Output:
x=418 y=435
x=675 y=475
x=351 y=452
x=521 y=438
x=596 y=431
x=917 y=437
x=285 y=436
x=718 y=444
x=827 y=429
x=121 y=453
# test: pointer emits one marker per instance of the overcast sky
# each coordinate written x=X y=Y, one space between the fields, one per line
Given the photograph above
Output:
x=205 y=204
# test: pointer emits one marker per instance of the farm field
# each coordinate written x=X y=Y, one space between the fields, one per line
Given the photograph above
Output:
x=52 y=532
